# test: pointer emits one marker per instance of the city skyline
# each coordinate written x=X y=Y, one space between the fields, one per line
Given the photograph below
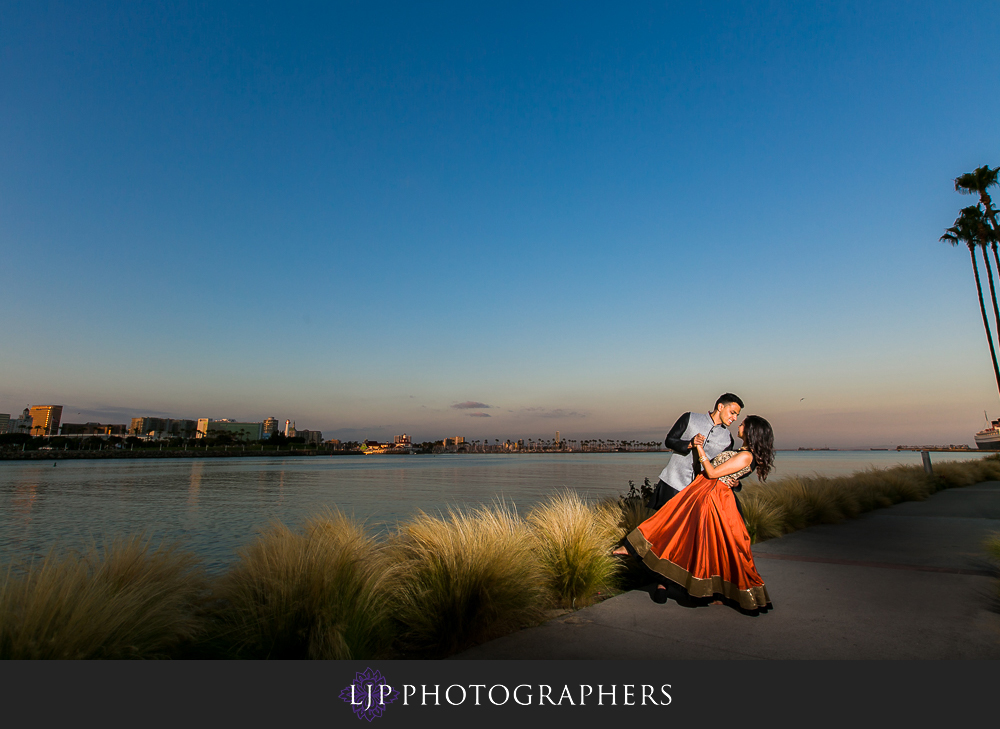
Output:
x=376 y=432
x=498 y=221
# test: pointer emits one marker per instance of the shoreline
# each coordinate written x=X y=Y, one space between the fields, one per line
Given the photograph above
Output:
x=247 y=453
x=289 y=583
x=111 y=455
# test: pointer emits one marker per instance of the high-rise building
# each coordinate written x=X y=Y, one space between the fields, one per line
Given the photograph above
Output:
x=208 y=428
x=45 y=419
x=163 y=428
x=314 y=437
x=93 y=429
x=270 y=426
x=21 y=424
x=145 y=426
x=4 y=422
x=557 y=437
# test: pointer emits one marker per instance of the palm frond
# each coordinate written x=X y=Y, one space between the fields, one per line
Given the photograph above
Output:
x=976 y=182
x=970 y=228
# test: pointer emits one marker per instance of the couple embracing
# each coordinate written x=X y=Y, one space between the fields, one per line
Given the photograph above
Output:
x=698 y=538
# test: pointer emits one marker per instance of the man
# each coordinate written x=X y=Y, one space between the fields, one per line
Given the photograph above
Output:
x=710 y=430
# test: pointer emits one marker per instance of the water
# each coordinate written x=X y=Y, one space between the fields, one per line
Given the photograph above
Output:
x=214 y=506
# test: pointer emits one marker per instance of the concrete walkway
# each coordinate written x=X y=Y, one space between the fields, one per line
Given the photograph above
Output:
x=907 y=582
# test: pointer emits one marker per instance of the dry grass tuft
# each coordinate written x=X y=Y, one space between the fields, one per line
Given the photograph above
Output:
x=784 y=506
x=967 y=473
x=129 y=600
x=322 y=593
x=465 y=578
x=992 y=546
x=574 y=543
x=765 y=519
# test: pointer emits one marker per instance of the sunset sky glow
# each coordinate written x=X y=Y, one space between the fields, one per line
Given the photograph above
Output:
x=497 y=221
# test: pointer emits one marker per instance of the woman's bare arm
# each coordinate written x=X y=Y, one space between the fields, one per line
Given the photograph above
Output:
x=738 y=462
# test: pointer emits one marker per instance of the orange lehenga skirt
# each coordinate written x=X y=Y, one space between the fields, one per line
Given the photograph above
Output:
x=698 y=540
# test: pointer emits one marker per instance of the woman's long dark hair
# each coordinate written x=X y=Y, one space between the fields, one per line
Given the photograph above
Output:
x=758 y=438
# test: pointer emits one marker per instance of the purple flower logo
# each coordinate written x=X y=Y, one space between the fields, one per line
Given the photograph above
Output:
x=369 y=694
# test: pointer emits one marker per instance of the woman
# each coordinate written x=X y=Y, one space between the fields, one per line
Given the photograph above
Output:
x=698 y=539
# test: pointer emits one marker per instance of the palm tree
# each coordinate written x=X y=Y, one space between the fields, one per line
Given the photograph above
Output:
x=987 y=237
x=978 y=182
x=967 y=229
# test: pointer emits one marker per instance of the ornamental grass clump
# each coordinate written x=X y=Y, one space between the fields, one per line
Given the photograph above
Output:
x=795 y=499
x=574 y=543
x=784 y=506
x=464 y=578
x=765 y=518
x=966 y=473
x=127 y=600
x=895 y=485
x=992 y=546
x=320 y=593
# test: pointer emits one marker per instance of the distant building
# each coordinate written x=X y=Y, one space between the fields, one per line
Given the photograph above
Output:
x=208 y=428
x=93 y=429
x=557 y=437
x=289 y=429
x=456 y=441
x=403 y=440
x=160 y=428
x=311 y=436
x=45 y=419
x=4 y=422
x=21 y=424
x=147 y=426
x=270 y=426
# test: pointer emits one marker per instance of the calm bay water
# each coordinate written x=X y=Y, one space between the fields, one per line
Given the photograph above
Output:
x=216 y=505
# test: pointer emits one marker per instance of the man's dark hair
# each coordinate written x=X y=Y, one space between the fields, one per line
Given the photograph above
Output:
x=728 y=398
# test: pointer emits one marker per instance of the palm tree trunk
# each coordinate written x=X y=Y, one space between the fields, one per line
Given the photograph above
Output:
x=996 y=260
x=986 y=321
x=991 y=214
x=993 y=293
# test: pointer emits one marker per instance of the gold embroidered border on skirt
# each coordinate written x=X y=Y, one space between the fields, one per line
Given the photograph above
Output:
x=749 y=599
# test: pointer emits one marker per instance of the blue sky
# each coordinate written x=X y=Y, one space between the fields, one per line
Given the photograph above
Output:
x=591 y=219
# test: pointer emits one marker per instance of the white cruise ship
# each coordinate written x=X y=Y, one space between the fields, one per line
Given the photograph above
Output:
x=988 y=439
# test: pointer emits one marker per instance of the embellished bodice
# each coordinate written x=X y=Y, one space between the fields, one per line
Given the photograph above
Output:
x=733 y=479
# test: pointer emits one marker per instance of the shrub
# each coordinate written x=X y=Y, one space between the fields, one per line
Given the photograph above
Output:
x=322 y=593
x=128 y=600
x=574 y=543
x=992 y=546
x=784 y=506
x=464 y=578
x=966 y=473
x=765 y=518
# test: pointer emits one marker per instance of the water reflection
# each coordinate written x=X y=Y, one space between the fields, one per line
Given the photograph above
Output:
x=195 y=487
x=215 y=506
